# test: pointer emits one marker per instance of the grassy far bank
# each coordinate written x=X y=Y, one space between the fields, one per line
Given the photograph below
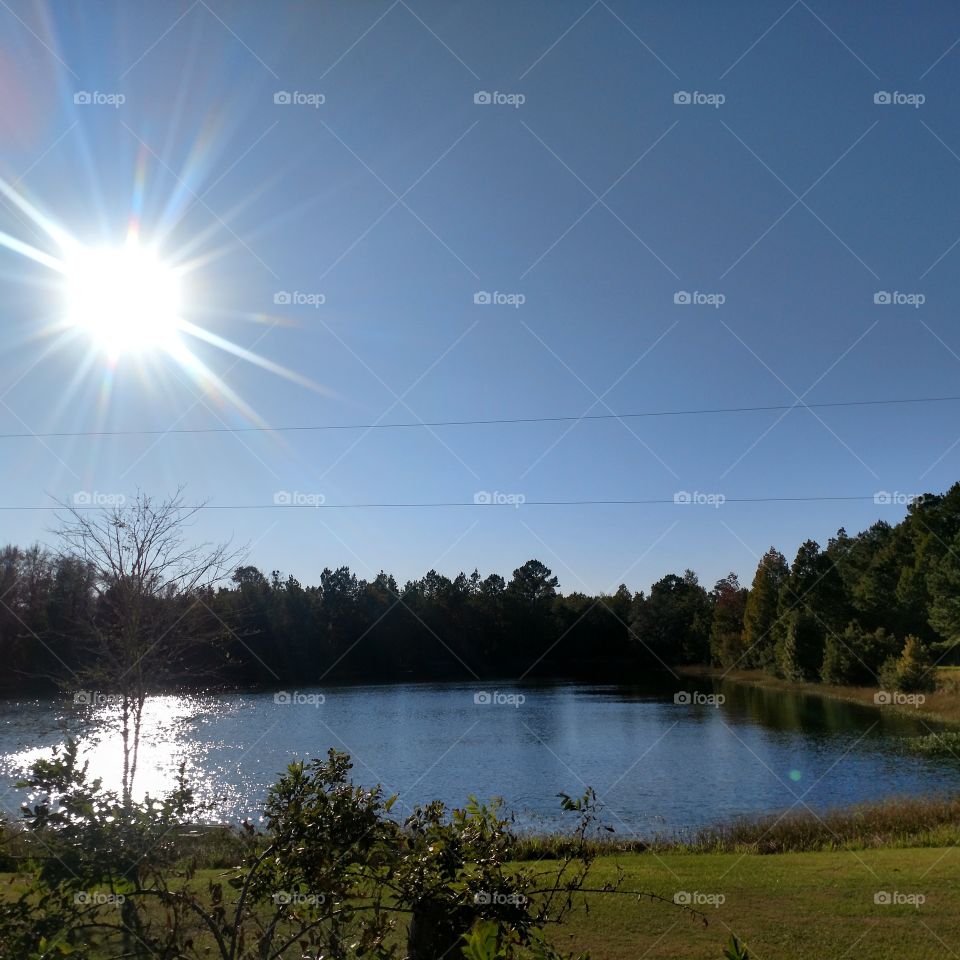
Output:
x=791 y=907
x=941 y=704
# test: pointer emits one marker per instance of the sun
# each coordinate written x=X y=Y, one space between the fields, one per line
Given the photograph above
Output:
x=125 y=298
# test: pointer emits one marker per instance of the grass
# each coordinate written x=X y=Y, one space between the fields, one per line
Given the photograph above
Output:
x=797 y=906
x=943 y=704
x=936 y=744
x=808 y=906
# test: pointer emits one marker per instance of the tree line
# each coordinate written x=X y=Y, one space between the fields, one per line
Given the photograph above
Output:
x=865 y=609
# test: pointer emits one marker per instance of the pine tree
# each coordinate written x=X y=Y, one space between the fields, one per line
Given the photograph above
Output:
x=760 y=611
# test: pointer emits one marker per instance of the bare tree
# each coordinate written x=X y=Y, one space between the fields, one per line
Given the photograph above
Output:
x=150 y=619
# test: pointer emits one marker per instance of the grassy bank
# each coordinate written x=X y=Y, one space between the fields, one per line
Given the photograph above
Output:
x=789 y=907
x=792 y=907
x=942 y=705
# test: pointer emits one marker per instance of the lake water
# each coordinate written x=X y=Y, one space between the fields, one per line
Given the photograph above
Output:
x=658 y=766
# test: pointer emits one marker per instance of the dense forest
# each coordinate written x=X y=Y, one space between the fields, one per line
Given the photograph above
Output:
x=839 y=614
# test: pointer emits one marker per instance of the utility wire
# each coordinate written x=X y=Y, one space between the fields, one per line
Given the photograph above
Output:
x=704 y=411
x=483 y=503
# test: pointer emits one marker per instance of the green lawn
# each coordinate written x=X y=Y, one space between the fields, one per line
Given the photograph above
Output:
x=815 y=906
x=791 y=906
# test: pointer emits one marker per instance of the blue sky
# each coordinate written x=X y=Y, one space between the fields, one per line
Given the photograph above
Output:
x=597 y=199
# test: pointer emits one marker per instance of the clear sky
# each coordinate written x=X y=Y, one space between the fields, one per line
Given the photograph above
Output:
x=582 y=193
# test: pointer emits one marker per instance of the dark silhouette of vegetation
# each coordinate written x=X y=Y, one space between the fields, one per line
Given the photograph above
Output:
x=839 y=614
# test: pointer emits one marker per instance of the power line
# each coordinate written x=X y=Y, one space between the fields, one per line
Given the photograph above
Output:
x=704 y=411
x=483 y=503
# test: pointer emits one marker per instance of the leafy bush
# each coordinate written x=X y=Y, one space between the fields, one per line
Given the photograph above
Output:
x=912 y=671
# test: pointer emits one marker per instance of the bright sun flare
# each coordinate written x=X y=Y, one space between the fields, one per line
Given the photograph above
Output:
x=125 y=298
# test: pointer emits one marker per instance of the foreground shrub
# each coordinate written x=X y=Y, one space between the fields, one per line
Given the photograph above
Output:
x=329 y=875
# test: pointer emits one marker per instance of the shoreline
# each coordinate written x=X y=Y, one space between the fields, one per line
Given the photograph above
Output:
x=941 y=706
